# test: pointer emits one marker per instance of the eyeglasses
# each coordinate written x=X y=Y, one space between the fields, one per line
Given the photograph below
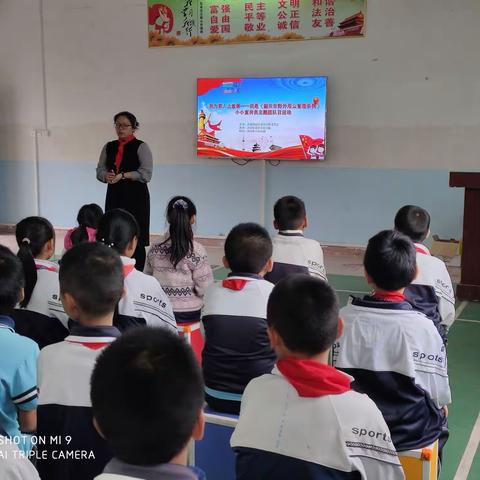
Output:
x=122 y=125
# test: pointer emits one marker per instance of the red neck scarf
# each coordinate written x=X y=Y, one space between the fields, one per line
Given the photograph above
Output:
x=128 y=269
x=121 y=145
x=234 y=283
x=313 y=379
x=389 y=297
x=421 y=249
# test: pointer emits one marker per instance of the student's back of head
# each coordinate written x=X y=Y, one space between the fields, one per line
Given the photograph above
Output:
x=414 y=222
x=181 y=214
x=303 y=310
x=11 y=280
x=92 y=275
x=289 y=213
x=390 y=260
x=248 y=248
x=88 y=217
x=119 y=230
x=35 y=238
x=147 y=396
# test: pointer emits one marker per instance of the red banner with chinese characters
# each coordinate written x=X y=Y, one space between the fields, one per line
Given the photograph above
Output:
x=207 y=22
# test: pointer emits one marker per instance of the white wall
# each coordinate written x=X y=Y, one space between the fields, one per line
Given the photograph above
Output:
x=407 y=96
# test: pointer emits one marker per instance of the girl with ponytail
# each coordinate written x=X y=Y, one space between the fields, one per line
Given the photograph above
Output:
x=144 y=301
x=36 y=241
x=180 y=263
x=88 y=217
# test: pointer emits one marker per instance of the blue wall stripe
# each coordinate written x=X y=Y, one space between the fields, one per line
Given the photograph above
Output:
x=344 y=205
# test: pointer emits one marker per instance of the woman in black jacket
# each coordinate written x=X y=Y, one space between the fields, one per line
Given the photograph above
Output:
x=126 y=165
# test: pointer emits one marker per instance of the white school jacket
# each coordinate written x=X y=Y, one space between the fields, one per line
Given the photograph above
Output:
x=433 y=272
x=145 y=299
x=342 y=433
x=45 y=297
x=13 y=464
x=293 y=253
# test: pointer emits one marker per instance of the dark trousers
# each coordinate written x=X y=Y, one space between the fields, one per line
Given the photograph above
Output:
x=225 y=406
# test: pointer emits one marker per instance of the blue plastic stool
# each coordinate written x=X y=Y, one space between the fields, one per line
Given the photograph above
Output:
x=213 y=454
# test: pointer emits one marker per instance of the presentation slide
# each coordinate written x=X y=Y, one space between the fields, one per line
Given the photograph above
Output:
x=271 y=118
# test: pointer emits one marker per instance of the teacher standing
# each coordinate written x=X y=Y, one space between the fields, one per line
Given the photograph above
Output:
x=126 y=166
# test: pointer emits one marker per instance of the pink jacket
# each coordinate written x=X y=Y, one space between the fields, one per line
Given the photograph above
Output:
x=186 y=284
x=68 y=242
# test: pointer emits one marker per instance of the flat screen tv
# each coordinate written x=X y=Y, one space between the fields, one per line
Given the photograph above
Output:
x=278 y=118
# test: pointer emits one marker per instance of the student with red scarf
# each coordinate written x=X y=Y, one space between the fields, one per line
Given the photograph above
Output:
x=126 y=166
x=303 y=420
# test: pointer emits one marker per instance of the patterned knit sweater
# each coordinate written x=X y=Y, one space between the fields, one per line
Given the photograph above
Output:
x=186 y=284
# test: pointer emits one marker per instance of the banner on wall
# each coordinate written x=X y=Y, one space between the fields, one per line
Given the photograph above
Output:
x=208 y=22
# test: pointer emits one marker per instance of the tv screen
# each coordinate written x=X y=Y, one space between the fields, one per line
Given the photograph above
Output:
x=270 y=118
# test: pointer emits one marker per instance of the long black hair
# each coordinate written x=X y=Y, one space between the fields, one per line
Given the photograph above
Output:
x=180 y=211
x=88 y=216
x=11 y=280
x=117 y=228
x=32 y=233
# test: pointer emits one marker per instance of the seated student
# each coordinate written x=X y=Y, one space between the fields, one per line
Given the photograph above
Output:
x=180 y=263
x=144 y=301
x=36 y=241
x=14 y=464
x=292 y=252
x=147 y=399
x=88 y=217
x=394 y=352
x=302 y=420
x=91 y=284
x=432 y=291
x=233 y=318
x=18 y=361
